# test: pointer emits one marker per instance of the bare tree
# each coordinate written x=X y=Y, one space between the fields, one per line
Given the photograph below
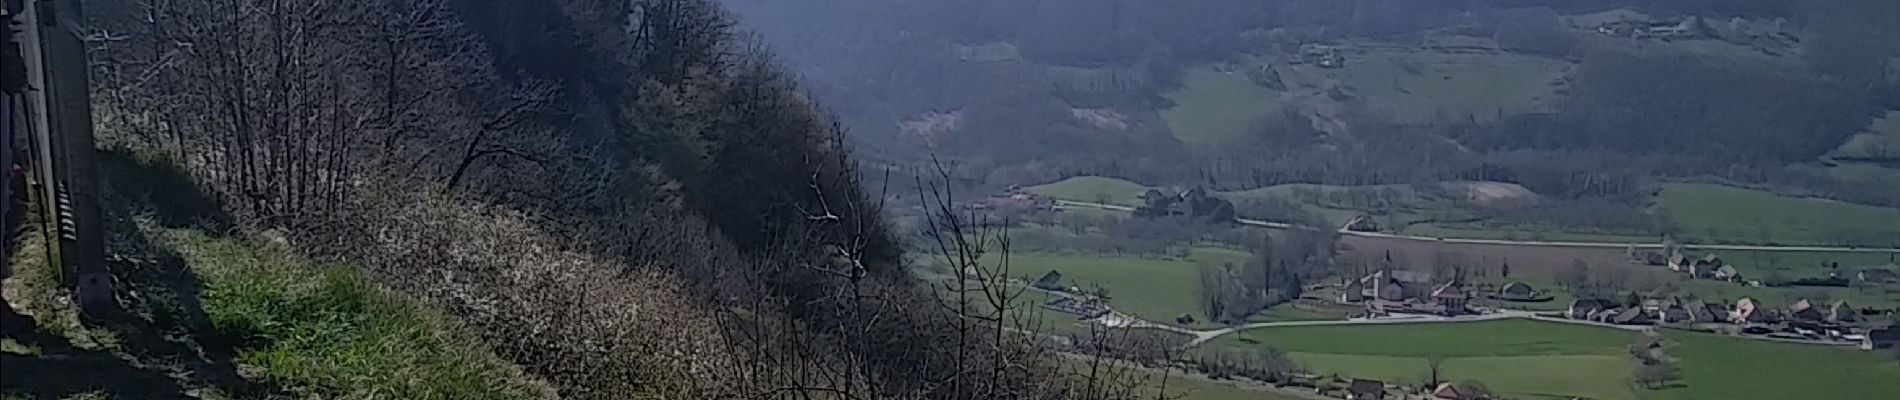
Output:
x=1434 y=371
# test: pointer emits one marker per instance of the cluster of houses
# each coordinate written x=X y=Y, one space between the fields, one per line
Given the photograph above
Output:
x=1072 y=301
x=1368 y=389
x=1193 y=203
x=1411 y=292
x=1706 y=267
x=1372 y=389
x=1686 y=28
x=1013 y=200
x=1711 y=267
x=1802 y=319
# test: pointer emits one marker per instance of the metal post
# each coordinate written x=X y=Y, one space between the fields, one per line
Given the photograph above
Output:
x=59 y=110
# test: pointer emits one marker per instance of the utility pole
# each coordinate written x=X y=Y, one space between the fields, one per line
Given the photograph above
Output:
x=58 y=113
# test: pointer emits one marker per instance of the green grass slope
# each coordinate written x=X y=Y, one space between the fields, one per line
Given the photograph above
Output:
x=1093 y=189
x=1157 y=289
x=1724 y=214
x=1523 y=358
x=1417 y=86
x=327 y=329
x=1718 y=367
x=1214 y=107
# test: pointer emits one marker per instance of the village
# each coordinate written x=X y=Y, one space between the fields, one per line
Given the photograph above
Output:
x=1395 y=291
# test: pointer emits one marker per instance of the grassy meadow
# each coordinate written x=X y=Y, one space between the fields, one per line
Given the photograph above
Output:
x=1418 y=86
x=1719 y=367
x=1523 y=358
x=1724 y=214
x=1214 y=107
x=1413 y=208
x=1093 y=189
x=329 y=329
x=1157 y=289
x=1186 y=387
x=1532 y=359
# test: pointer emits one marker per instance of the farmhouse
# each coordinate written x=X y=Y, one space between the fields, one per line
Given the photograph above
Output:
x=1452 y=391
x=1631 y=316
x=1194 y=203
x=1678 y=262
x=1713 y=312
x=1051 y=281
x=1451 y=297
x=1365 y=389
x=1676 y=313
x=1584 y=308
x=1842 y=313
x=1726 y=273
x=1354 y=292
x=1392 y=286
x=1747 y=310
x=1802 y=310
x=1517 y=291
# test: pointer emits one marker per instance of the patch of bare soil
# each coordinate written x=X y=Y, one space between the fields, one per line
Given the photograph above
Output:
x=1494 y=194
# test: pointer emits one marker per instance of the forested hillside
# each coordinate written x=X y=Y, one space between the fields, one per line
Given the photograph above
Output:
x=1585 y=103
x=627 y=199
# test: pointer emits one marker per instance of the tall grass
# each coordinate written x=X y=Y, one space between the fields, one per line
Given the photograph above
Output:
x=328 y=332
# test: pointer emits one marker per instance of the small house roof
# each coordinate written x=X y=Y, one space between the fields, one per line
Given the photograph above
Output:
x=1049 y=279
x=1449 y=290
x=1587 y=304
x=1800 y=305
x=1517 y=287
x=1366 y=387
x=1631 y=315
x=1451 y=391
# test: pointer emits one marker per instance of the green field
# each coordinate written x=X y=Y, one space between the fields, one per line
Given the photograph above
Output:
x=1518 y=357
x=1405 y=85
x=1157 y=289
x=1213 y=107
x=1419 y=86
x=1549 y=360
x=1555 y=376
x=1717 y=367
x=1093 y=189
x=1716 y=213
x=1338 y=203
x=1471 y=339
x=1417 y=210
x=1186 y=387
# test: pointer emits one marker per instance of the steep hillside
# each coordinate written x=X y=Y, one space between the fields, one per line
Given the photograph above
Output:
x=624 y=199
